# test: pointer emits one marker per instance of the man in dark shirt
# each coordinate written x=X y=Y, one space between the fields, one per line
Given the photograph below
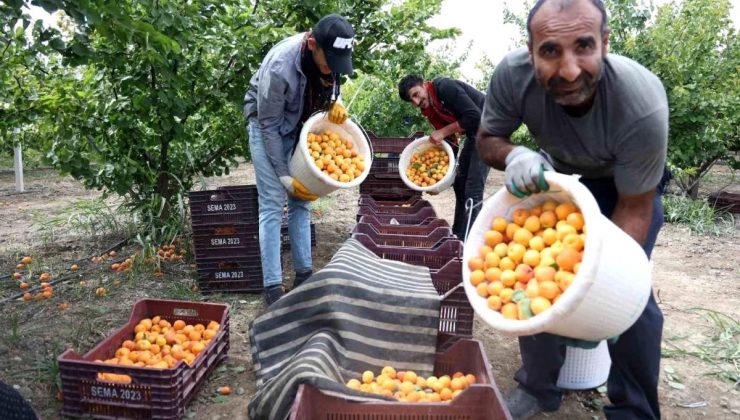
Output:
x=453 y=108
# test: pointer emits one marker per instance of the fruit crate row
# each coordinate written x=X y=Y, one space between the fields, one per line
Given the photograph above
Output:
x=118 y=388
x=409 y=231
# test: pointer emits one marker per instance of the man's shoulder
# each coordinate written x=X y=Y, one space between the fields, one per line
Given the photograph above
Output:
x=518 y=60
x=631 y=79
x=634 y=92
x=284 y=52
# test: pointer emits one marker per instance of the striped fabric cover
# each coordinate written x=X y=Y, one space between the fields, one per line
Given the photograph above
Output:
x=358 y=313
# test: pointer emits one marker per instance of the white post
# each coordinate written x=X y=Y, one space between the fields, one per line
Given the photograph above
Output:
x=18 y=166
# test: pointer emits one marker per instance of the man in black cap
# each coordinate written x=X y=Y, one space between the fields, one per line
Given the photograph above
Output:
x=299 y=76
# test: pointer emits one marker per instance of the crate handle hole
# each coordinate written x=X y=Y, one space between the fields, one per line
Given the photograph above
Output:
x=185 y=312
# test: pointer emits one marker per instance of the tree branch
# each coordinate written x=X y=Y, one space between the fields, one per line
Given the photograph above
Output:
x=256 y=3
x=221 y=150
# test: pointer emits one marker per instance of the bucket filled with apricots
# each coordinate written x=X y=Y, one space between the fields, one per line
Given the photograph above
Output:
x=330 y=156
x=427 y=167
x=553 y=263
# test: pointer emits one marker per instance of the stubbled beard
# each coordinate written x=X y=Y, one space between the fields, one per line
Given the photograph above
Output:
x=587 y=86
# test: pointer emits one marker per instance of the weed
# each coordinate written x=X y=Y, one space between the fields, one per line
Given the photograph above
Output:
x=321 y=205
x=721 y=349
x=47 y=371
x=698 y=215
x=14 y=337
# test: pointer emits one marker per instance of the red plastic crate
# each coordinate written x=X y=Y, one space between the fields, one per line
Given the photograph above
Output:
x=391 y=145
x=385 y=168
x=226 y=240
x=388 y=189
x=481 y=401
x=397 y=209
x=434 y=259
x=152 y=393
x=365 y=233
x=369 y=200
x=230 y=275
x=420 y=217
x=420 y=230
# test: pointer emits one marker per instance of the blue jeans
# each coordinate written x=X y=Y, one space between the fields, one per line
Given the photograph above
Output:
x=633 y=379
x=272 y=197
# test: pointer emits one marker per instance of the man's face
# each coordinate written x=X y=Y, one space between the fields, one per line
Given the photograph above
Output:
x=318 y=56
x=419 y=97
x=568 y=49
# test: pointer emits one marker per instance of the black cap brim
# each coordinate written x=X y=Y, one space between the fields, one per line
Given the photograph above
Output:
x=339 y=62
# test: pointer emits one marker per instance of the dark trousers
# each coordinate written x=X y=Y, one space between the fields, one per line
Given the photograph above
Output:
x=469 y=183
x=633 y=379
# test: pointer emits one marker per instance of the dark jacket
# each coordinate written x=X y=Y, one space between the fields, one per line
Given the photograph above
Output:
x=461 y=100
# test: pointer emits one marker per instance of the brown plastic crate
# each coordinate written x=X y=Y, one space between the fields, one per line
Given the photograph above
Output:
x=455 y=317
x=397 y=209
x=726 y=201
x=434 y=259
x=481 y=401
x=388 y=190
x=368 y=199
x=423 y=216
x=385 y=168
x=420 y=230
x=391 y=145
x=224 y=206
x=152 y=393
x=231 y=276
x=364 y=233
x=226 y=240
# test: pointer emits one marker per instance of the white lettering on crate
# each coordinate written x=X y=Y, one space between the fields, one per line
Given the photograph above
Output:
x=225 y=275
x=221 y=207
x=225 y=241
x=122 y=394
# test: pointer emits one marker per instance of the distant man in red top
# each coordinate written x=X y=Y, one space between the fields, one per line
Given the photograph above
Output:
x=453 y=108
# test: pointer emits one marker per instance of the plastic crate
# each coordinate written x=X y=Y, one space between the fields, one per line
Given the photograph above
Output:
x=226 y=240
x=433 y=259
x=391 y=145
x=385 y=168
x=233 y=205
x=420 y=230
x=725 y=201
x=455 y=317
x=230 y=275
x=388 y=189
x=431 y=241
x=480 y=401
x=423 y=216
x=152 y=393
x=367 y=199
x=393 y=208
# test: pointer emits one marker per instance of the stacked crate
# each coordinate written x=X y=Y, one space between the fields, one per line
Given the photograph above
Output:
x=225 y=225
x=395 y=223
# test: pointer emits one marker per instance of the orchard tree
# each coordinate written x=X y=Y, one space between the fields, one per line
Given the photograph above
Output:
x=694 y=49
x=154 y=98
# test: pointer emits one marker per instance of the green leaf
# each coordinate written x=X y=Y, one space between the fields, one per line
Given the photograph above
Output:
x=676 y=385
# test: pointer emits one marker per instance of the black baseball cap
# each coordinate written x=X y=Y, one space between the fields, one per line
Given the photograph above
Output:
x=335 y=35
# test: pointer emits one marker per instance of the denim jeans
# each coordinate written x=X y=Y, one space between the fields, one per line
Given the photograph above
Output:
x=470 y=182
x=633 y=379
x=272 y=197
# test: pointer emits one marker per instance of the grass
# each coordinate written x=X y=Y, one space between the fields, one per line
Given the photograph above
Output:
x=321 y=205
x=720 y=349
x=93 y=218
x=700 y=217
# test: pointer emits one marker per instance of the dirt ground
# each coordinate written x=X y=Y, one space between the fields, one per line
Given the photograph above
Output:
x=691 y=271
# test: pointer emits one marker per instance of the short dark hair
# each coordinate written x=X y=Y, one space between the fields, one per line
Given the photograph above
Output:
x=407 y=83
x=598 y=3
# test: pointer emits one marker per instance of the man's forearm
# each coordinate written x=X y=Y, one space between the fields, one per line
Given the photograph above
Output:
x=634 y=216
x=492 y=149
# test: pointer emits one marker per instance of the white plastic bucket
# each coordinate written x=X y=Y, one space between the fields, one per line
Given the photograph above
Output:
x=585 y=368
x=610 y=290
x=420 y=145
x=303 y=168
